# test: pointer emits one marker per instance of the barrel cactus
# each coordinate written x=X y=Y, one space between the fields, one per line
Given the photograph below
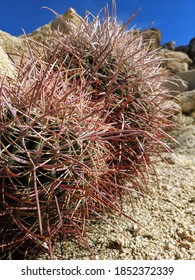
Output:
x=80 y=120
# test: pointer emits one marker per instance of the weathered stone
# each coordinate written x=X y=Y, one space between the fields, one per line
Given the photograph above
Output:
x=187 y=101
x=70 y=16
x=16 y=46
x=169 y=45
x=191 y=50
x=62 y=24
x=154 y=36
x=176 y=85
x=182 y=49
x=12 y=45
x=189 y=77
x=41 y=35
x=175 y=61
x=6 y=65
x=171 y=107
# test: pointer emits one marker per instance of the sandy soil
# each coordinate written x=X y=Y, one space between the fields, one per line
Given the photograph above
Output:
x=167 y=213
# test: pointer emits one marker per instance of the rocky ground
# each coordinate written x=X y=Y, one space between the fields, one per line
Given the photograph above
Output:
x=166 y=212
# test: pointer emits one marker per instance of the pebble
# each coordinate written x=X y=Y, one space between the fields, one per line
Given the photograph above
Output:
x=135 y=195
x=148 y=235
x=134 y=230
x=186 y=236
x=169 y=245
x=191 y=199
x=170 y=158
x=185 y=244
x=178 y=255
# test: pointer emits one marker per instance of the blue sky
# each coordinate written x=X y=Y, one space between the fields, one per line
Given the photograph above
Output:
x=175 y=18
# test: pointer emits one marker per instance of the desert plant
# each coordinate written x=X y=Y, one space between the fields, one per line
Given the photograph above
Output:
x=74 y=126
x=51 y=167
x=126 y=81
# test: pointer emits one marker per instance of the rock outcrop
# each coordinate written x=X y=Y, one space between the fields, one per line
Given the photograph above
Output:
x=169 y=45
x=6 y=65
x=188 y=77
x=15 y=46
x=181 y=62
x=183 y=49
x=175 y=62
x=176 y=85
x=12 y=45
x=191 y=51
x=60 y=23
x=154 y=36
x=44 y=33
x=187 y=101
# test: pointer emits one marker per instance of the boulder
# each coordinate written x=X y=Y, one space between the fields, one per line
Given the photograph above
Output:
x=176 y=85
x=12 y=45
x=189 y=77
x=60 y=22
x=191 y=50
x=6 y=65
x=187 y=101
x=44 y=33
x=169 y=45
x=154 y=36
x=175 y=62
x=182 y=49
x=172 y=108
x=16 y=46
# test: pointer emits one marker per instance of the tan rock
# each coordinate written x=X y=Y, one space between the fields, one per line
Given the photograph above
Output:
x=189 y=77
x=70 y=16
x=171 y=107
x=9 y=43
x=176 y=66
x=62 y=23
x=175 y=61
x=15 y=46
x=12 y=45
x=6 y=65
x=187 y=101
x=178 y=56
x=169 y=45
x=154 y=36
x=41 y=35
x=176 y=85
